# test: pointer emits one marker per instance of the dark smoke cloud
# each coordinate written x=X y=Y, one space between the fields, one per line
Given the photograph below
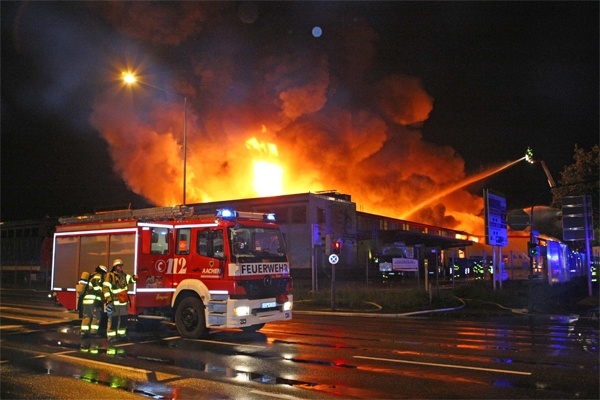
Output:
x=336 y=121
x=160 y=23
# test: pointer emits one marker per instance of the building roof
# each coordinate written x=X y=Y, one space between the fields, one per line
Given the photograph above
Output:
x=412 y=233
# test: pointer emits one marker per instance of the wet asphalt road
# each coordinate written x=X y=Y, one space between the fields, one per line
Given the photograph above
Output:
x=313 y=356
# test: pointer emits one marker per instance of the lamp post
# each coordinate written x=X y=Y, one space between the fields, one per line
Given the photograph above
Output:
x=131 y=79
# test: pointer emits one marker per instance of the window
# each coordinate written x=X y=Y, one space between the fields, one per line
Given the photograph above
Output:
x=210 y=243
x=183 y=241
x=159 y=242
x=253 y=244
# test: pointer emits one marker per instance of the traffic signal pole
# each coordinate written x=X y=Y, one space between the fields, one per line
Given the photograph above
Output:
x=332 y=286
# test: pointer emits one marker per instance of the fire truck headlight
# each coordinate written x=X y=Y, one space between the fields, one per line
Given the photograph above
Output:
x=287 y=306
x=242 y=311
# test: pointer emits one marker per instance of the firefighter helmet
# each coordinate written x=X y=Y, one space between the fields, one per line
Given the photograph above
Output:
x=117 y=261
x=101 y=269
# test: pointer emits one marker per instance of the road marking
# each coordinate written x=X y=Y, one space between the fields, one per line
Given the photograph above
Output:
x=33 y=320
x=104 y=364
x=504 y=371
x=278 y=396
x=229 y=343
x=11 y=327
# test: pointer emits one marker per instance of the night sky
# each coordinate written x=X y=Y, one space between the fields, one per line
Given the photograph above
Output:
x=457 y=88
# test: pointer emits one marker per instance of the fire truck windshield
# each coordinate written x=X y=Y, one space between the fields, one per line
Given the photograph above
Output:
x=257 y=244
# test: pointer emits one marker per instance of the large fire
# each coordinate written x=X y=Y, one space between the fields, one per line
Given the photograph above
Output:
x=268 y=175
x=319 y=137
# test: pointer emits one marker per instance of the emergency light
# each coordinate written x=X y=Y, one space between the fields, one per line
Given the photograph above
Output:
x=270 y=217
x=226 y=213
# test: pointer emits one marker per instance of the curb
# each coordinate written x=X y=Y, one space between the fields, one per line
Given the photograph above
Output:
x=376 y=315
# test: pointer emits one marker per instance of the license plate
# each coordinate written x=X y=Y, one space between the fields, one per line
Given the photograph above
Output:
x=269 y=304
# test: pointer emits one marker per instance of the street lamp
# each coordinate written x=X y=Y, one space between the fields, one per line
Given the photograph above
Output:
x=130 y=79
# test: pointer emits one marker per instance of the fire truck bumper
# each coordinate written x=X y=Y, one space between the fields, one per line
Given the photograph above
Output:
x=240 y=313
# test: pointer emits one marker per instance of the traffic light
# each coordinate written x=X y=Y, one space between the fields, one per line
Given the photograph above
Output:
x=336 y=247
x=533 y=249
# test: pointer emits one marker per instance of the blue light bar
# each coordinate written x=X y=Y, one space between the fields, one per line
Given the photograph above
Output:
x=270 y=217
x=226 y=213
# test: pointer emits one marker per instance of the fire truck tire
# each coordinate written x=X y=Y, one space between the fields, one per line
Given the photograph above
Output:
x=189 y=318
x=253 y=328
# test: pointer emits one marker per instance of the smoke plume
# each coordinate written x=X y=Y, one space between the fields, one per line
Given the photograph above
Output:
x=335 y=120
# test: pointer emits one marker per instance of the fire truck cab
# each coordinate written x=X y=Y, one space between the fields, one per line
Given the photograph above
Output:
x=228 y=270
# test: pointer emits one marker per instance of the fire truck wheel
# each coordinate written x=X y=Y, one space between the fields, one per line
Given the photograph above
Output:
x=189 y=318
x=253 y=328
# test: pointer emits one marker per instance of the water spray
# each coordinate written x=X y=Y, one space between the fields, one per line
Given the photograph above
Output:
x=528 y=157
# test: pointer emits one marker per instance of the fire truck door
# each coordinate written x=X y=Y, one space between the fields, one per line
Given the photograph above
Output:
x=208 y=257
x=156 y=258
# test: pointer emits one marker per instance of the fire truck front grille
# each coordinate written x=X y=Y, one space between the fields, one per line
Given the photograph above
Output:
x=261 y=288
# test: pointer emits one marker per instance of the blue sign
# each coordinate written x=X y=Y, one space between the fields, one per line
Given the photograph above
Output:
x=496 y=232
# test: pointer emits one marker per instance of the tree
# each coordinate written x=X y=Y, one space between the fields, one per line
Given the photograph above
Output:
x=581 y=178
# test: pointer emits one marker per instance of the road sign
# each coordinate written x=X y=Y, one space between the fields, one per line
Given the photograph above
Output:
x=334 y=259
x=405 y=264
x=518 y=220
x=496 y=233
x=577 y=218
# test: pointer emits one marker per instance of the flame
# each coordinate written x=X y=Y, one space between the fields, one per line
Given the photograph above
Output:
x=268 y=179
x=328 y=127
x=268 y=175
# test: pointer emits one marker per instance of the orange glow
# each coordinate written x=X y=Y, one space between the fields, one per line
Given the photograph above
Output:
x=128 y=77
x=268 y=179
x=421 y=373
x=268 y=175
x=376 y=154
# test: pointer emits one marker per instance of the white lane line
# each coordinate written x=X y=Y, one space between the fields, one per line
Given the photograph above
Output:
x=277 y=396
x=229 y=343
x=504 y=371
x=104 y=364
x=65 y=354
x=32 y=320
x=11 y=327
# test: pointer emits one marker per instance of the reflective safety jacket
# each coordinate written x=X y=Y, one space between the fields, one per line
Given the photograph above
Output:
x=93 y=293
x=115 y=283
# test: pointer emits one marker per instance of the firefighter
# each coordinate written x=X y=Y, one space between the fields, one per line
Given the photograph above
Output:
x=116 y=298
x=92 y=303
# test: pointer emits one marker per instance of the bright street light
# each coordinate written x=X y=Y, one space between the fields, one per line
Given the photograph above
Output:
x=130 y=79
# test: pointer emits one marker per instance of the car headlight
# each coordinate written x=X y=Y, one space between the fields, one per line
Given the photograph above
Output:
x=287 y=306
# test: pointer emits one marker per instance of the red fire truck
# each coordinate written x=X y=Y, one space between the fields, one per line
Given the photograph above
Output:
x=224 y=270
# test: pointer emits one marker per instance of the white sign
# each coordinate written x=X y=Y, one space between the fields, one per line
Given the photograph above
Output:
x=334 y=259
x=405 y=264
x=249 y=269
